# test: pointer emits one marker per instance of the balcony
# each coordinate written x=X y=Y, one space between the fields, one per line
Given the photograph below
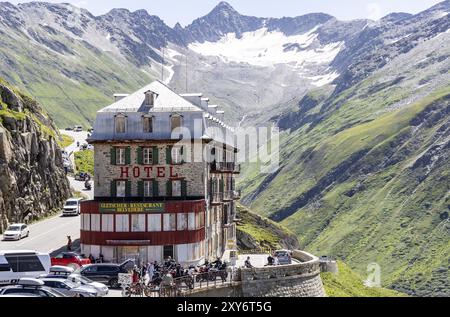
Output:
x=224 y=167
x=216 y=198
x=231 y=195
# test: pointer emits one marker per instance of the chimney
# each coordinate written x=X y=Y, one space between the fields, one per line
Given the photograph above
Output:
x=221 y=115
x=118 y=97
x=212 y=109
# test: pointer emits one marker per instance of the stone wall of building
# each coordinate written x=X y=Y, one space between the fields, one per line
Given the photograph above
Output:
x=193 y=172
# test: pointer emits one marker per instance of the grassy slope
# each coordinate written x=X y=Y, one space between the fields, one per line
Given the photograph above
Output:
x=393 y=217
x=348 y=283
x=84 y=161
x=72 y=87
x=65 y=141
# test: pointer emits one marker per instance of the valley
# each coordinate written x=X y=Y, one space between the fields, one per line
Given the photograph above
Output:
x=363 y=107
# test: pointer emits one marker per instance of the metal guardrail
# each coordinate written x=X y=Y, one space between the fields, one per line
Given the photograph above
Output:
x=181 y=286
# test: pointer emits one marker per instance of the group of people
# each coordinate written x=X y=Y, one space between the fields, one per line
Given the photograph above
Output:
x=166 y=272
x=272 y=260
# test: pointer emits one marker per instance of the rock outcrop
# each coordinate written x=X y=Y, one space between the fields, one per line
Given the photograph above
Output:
x=32 y=177
x=255 y=232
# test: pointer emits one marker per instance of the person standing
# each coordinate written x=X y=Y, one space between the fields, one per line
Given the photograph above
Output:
x=276 y=261
x=69 y=243
x=150 y=271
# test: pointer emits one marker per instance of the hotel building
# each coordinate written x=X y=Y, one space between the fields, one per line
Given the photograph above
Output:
x=164 y=180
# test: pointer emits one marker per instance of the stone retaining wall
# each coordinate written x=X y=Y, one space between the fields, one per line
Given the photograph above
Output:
x=297 y=280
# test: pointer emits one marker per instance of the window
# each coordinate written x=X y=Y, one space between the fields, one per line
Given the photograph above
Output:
x=182 y=222
x=121 y=188
x=120 y=156
x=86 y=222
x=95 y=222
x=120 y=124
x=138 y=223
x=148 y=188
x=148 y=156
x=170 y=222
x=176 y=188
x=191 y=221
x=177 y=154
x=175 y=122
x=168 y=250
x=147 y=123
x=122 y=223
x=24 y=263
x=4 y=267
x=154 y=223
x=197 y=221
x=107 y=223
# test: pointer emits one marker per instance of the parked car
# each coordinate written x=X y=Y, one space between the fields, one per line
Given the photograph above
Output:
x=70 y=259
x=30 y=287
x=16 y=232
x=64 y=272
x=284 y=257
x=72 y=207
x=78 y=128
x=69 y=129
x=106 y=273
x=69 y=288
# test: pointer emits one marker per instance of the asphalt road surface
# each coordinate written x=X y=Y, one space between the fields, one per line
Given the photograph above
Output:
x=49 y=235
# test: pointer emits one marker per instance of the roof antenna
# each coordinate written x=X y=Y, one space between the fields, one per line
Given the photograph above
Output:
x=162 y=65
x=186 y=73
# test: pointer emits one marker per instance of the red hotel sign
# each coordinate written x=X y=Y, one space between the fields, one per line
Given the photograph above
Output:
x=148 y=172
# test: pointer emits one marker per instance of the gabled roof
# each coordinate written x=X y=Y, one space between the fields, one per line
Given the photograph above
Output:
x=167 y=100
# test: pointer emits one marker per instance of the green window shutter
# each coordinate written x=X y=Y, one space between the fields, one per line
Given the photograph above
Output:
x=155 y=189
x=169 y=189
x=169 y=155
x=113 y=189
x=128 y=156
x=141 y=189
x=113 y=155
x=155 y=155
x=128 y=189
x=221 y=185
x=139 y=156
x=184 y=188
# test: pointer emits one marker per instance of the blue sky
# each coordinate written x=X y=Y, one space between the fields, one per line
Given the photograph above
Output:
x=184 y=11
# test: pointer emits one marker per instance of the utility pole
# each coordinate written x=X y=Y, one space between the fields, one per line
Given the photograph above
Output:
x=186 y=75
x=162 y=65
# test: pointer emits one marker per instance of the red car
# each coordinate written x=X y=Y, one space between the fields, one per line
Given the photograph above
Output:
x=71 y=259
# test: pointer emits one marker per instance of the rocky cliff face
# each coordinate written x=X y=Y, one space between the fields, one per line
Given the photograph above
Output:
x=32 y=179
x=255 y=232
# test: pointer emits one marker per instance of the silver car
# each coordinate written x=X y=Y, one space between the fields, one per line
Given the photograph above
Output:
x=29 y=287
x=16 y=232
x=68 y=273
x=284 y=257
x=69 y=288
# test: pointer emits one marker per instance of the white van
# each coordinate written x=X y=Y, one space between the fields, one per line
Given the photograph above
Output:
x=72 y=207
x=15 y=265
